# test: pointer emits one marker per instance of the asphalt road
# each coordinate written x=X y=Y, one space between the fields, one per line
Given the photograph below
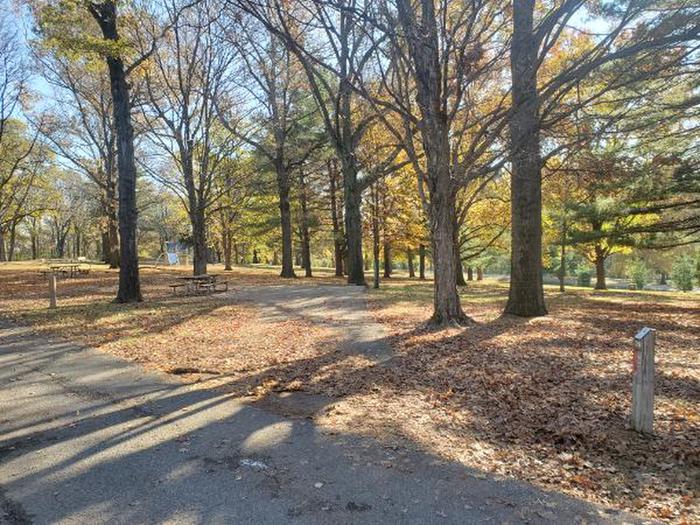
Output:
x=87 y=438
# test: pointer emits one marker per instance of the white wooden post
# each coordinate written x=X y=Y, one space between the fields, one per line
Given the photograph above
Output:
x=52 y=290
x=643 y=381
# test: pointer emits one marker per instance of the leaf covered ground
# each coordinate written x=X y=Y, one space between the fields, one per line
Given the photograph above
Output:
x=547 y=400
x=543 y=400
x=173 y=333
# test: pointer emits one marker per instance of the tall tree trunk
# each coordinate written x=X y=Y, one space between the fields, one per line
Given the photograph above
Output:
x=338 y=237
x=236 y=256
x=459 y=270
x=61 y=243
x=338 y=256
x=470 y=273
x=104 y=245
x=111 y=250
x=353 y=227
x=34 y=230
x=35 y=245
x=446 y=304
x=105 y=14
x=13 y=241
x=387 y=242
x=424 y=48
x=562 y=257
x=227 y=246
x=375 y=235
x=526 y=295
x=459 y=273
x=409 y=258
x=199 y=241
x=479 y=273
x=76 y=242
x=421 y=262
x=113 y=258
x=562 y=266
x=387 y=259
x=375 y=246
x=285 y=220
x=196 y=205
x=54 y=241
x=600 y=257
x=304 y=226
x=3 y=253
x=346 y=151
x=306 y=254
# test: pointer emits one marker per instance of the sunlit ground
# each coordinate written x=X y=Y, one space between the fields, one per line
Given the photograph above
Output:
x=544 y=400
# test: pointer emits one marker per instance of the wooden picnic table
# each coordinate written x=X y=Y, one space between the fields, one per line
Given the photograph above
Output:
x=72 y=269
x=66 y=268
x=203 y=277
x=198 y=283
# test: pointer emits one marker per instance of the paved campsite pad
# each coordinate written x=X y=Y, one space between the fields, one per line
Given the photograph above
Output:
x=341 y=307
x=88 y=438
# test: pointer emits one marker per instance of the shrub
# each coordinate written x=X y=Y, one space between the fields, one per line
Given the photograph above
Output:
x=682 y=274
x=583 y=278
x=638 y=272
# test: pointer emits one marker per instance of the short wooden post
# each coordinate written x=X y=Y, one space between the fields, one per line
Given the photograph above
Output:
x=52 y=290
x=643 y=381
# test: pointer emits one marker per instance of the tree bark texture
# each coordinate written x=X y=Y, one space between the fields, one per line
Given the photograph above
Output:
x=562 y=267
x=338 y=235
x=285 y=219
x=526 y=294
x=227 y=246
x=375 y=235
x=105 y=14
x=423 y=46
x=111 y=248
x=304 y=227
x=12 y=242
x=353 y=228
x=387 y=259
x=421 y=262
x=600 y=283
